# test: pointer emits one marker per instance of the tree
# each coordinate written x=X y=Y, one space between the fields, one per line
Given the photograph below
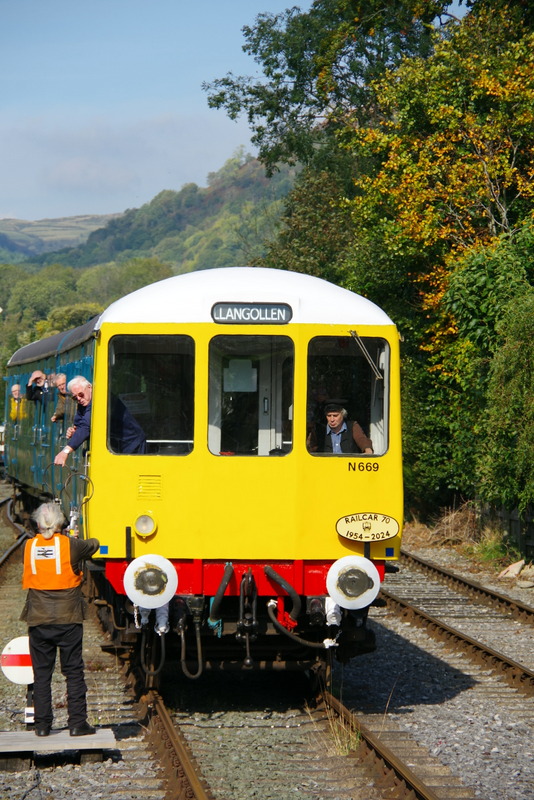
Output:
x=33 y=297
x=506 y=463
x=10 y=275
x=64 y=318
x=444 y=196
x=454 y=151
x=316 y=228
x=318 y=67
x=484 y=283
x=106 y=283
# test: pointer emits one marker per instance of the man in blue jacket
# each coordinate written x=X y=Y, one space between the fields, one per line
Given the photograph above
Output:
x=126 y=435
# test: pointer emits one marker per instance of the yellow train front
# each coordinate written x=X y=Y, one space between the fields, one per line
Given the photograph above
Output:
x=268 y=549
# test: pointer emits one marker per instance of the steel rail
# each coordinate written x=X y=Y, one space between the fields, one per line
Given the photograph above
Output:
x=181 y=769
x=184 y=781
x=5 y=507
x=393 y=771
x=516 y=674
x=516 y=607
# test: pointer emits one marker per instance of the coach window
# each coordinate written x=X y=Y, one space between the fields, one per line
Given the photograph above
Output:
x=251 y=395
x=153 y=377
x=353 y=371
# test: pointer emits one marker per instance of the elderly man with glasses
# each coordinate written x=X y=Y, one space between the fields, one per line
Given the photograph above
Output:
x=126 y=435
x=82 y=391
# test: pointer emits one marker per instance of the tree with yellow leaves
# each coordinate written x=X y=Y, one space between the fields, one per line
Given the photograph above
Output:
x=449 y=177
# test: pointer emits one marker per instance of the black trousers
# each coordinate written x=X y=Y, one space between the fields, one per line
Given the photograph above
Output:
x=44 y=642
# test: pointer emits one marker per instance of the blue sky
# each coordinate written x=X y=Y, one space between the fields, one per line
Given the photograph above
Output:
x=102 y=105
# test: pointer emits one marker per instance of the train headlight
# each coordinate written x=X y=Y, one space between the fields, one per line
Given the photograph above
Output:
x=145 y=525
x=353 y=582
x=150 y=581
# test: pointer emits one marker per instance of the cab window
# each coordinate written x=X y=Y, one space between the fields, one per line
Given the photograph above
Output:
x=151 y=379
x=349 y=373
x=251 y=395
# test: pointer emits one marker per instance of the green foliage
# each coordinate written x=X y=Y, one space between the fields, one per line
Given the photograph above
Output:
x=450 y=151
x=108 y=282
x=483 y=284
x=389 y=278
x=316 y=228
x=506 y=462
x=451 y=393
x=318 y=67
x=10 y=275
x=518 y=11
x=31 y=298
x=64 y=318
x=426 y=455
x=493 y=548
x=481 y=289
x=446 y=167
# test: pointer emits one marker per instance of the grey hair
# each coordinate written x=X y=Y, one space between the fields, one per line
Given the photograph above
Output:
x=49 y=518
x=342 y=411
x=78 y=380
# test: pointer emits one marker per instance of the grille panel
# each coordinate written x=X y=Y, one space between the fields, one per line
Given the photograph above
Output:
x=149 y=487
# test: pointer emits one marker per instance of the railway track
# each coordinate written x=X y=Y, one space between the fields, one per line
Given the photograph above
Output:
x=474 y=590
x=153 y=758
x=454 y=675
x=150 y=761
x=223 y=738
x=272 y=744
x=492 y=628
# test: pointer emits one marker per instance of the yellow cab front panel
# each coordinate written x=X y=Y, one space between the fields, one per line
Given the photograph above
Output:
x=233 y=471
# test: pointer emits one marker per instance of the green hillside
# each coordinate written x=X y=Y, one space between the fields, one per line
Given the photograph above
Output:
x=226 y=223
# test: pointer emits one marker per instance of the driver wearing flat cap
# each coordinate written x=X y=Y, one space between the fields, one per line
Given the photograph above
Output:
x=340 y=435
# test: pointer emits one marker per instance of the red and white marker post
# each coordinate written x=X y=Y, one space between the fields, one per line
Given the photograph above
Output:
x=16 y=663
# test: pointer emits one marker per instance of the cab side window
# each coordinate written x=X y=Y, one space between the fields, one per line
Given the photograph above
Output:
x=153 y=377
x=347 y=376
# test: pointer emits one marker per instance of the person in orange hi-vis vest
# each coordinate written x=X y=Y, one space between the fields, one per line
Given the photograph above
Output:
x=54 y=611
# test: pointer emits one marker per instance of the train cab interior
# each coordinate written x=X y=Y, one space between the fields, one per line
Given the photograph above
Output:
x=251 y=389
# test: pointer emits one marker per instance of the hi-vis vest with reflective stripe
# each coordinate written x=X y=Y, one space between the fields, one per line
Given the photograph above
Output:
x=47 y=564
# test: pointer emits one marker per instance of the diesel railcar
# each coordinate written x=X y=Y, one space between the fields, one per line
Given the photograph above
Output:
x=268 y=551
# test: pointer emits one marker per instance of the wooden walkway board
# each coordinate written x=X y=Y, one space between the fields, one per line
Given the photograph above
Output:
x=28 y=742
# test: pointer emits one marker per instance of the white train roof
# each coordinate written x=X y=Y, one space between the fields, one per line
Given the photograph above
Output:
x=191 y=298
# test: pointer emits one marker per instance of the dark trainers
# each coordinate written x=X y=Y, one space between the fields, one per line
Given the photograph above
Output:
x=82 y=730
